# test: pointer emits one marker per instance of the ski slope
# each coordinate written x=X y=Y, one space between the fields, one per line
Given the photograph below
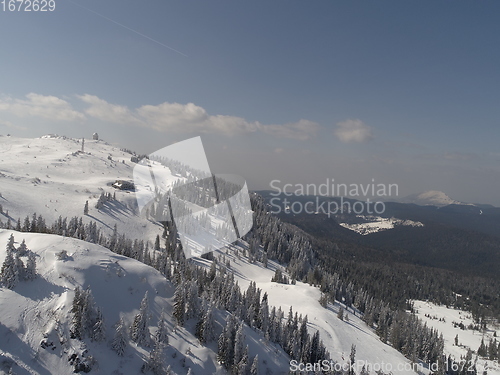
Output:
x=337 y=335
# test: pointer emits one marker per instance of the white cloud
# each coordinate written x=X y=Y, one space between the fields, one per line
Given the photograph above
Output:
x=173 y=117
x=45 y=106
x=105 y=111
x=164 y=117
x=190 y=118
x=353 y=131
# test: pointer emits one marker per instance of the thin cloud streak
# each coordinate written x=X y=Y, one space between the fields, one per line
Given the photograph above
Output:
x=128 y=28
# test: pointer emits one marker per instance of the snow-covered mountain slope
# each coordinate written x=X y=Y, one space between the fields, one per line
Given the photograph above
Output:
x=52 y=177
x=39 y=311
x=337 y=335
x=443 y=318
x=431 y=198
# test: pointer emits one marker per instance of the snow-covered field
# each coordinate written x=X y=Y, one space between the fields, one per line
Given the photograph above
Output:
x=376 y=224
x=442 y=318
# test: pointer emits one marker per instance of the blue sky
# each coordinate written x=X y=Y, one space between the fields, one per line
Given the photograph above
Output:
x=402 y=92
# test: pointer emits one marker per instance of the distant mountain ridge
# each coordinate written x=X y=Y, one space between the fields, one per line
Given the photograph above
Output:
x=431 y=198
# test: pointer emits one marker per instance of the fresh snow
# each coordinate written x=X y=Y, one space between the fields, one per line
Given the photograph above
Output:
x=376 y=224
x=337 y=335
x=52 y=177
x=40 y=310
x=442 y=318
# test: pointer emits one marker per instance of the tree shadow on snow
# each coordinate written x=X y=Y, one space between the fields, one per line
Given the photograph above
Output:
x=11 y=343
x=38 y=289
x=115 y=208
x=99 y=221
x=175 y=358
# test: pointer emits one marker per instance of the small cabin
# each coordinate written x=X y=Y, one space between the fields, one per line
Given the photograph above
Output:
x=95 y=137
x=123 y=185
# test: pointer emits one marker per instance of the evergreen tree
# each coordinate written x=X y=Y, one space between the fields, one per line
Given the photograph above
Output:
x=99 y=329
x=179 y=311
x=264 y=260
x=86 y=208
x=492 y=350
x=22 y=249
x=26 y=224
x=192 y=305
x=264 y=314
x=242 y=367
x=155 y=361
x=340 y=314
x=352 y=360
x=161 y=335
x=88 y=313
x=315 y=348
x=222 y=348
x=205 y=331
x=10 y=243
x=139 y=331
x=303 y=338
x=76 y=331
x=226 y=343
x=323 y=299
x=239 y=344
x=254 y=370
x=119 y=342
x=19 y=268
x=9 y=274
x=483 y=350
